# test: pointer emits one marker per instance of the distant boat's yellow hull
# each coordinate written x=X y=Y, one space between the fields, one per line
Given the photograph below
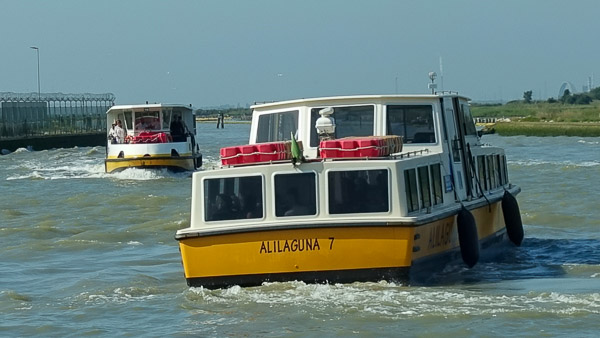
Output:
x=326 y=254
x=179 y=163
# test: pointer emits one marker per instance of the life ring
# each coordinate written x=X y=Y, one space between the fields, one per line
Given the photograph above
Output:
x=467 y=237
x=512 y=218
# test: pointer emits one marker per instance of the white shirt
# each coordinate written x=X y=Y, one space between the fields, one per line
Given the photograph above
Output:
x=111 y=133
x=120 y=134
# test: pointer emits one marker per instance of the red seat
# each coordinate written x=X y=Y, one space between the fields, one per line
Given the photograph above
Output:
x=151 y=137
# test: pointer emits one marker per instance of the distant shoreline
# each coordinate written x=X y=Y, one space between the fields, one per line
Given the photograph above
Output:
x=541 y=119
x=226 y=121
x=590 y=129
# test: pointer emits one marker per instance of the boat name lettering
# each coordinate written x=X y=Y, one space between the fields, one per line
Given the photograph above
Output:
x=439 y=235
x=291 y=245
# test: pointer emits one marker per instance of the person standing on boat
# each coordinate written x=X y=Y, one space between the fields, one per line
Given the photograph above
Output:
x=177 y=129
x=112 y=136
x=119 y=132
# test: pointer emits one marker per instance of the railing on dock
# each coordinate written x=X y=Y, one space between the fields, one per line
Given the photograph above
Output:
x=39 y=114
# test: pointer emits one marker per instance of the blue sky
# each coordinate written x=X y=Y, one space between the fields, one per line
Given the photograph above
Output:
x=211 y=53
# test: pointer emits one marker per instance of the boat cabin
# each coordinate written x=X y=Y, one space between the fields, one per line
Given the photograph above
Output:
x=153 y=123
x=419 y=119
x=429 y=157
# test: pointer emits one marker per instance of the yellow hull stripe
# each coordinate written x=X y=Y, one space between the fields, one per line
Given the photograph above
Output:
x=141 y=162
x=442 y=235
x=297 y=250
x=328 y=249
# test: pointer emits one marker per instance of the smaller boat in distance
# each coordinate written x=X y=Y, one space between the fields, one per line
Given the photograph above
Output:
x=151 y=136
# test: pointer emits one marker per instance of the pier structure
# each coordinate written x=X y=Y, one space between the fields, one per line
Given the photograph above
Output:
x=52 y=120
x=39 y=114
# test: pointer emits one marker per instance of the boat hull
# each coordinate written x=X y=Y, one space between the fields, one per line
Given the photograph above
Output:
x=333 y=253
x=175 y=163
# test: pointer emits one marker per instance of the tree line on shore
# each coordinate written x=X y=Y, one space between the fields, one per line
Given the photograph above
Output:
x=568 y=97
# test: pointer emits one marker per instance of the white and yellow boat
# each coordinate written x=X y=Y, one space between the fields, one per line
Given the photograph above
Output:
x=386 y=187
x=152 y=136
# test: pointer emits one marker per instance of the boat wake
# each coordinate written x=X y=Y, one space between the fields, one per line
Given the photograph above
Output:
x=560 y=163
x=140 y=174
x=537 y=259
x=78 y=163
x=394 y=301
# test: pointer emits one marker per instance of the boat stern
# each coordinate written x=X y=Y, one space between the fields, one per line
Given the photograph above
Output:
x=332 y=254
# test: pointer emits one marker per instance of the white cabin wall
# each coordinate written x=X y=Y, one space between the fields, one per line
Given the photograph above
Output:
x=197 y=200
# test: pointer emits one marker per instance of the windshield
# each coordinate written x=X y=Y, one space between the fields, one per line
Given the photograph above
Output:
x=147 y=121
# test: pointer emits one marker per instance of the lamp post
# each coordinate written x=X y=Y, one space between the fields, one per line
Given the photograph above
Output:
x=38 y=70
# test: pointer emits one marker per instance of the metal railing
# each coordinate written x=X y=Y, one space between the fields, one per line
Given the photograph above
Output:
x=26 y=114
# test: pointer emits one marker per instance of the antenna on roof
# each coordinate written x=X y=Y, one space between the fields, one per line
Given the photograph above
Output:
x=441 y=73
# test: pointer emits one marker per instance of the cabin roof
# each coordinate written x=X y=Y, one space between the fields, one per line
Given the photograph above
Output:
x=150 y=105
x=354 y=99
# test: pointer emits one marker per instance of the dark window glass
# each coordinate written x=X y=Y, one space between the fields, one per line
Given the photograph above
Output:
x=295 y=194
x=410 y=183
x=490 y=172
x=496 y=170
x=469 y=127
x=277 y=127
x=424 y=187
x=233 y=198
x=436 y=178
x=128 y=120
x=482 y=172
x=147 y=120
x=349 y=121
x=166 y=117
x=505 y=169
x=358 y=191
x=500 y=168
x=413 y=123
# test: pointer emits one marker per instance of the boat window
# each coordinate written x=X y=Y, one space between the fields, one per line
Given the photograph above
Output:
x=499 y=169
x=147 y=120
x=482 y=172
x=358 y=191
x=504 y=170
x=496 y=159
x=424 y=187
x=436 y=178
x=128 y=119
x=410 y=183
x=166 y=118
x=349 y=121
x=277 y=126
x=413 y=122
x=295 y=195
x=469 y=124
x=233 y=198
x=490 y=172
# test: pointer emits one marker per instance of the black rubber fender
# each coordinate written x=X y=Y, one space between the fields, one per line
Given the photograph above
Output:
x=198 y=161
x=468 y=237
x=512 y=218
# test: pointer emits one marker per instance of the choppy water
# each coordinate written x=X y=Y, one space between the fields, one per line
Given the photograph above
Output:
x=84 y=253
